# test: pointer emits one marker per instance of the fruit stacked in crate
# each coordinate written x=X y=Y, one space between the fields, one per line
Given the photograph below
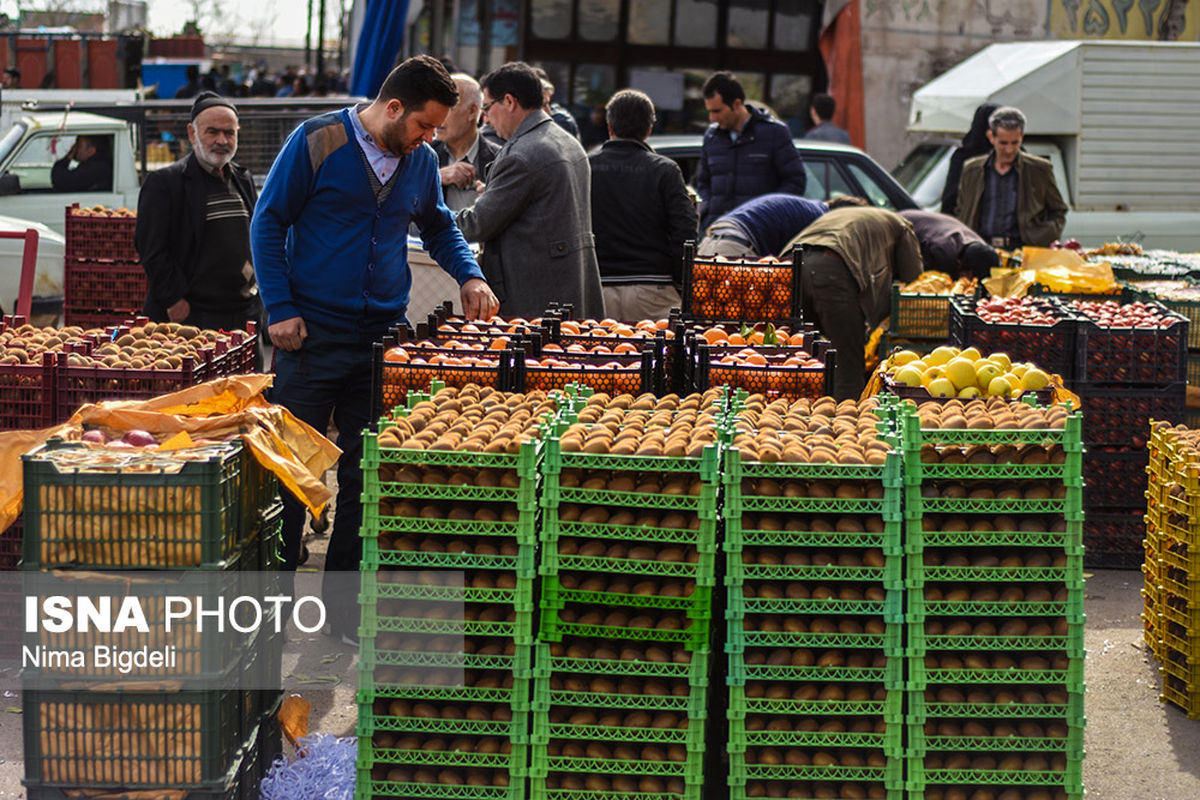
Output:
x=740 y=290
x=628 y=567
x=1131 y=366
x=778 y=365
x=116 y=518
x=449 y=537
x=995 y=600
x=949 y=371
x=104 y=281
x=920 y=317
x=1172 y=563
x=814 y=593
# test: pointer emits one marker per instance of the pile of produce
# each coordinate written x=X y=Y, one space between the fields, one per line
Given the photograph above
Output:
x=965 y=373
x=934 y=282
x=740 y=290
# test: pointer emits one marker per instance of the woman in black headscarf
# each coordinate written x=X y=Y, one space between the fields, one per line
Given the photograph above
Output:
x=974 y=143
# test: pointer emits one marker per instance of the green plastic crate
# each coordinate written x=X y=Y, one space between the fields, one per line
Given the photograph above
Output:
x=889 y=708
x=519 y=664
x=698 y=605
x=919 y=608
x=741 y=773
x=374 y=523
x=891 y=675
x=917 y=539
x=74 y=738
x=890 y=741
x=539 y=791
x=920 y=743
x=707 y=466
x=889 y=576
x=738 y=607
x=515 y=697
x=1072 y=574
x=920 y=710
x=736 y=470
x=695 y=704
x=919 y=506
x=920 y=643
x=373 y=590
x=702 y=571
x=523 y=564
x=1070 y=780
x=694 y=637
x=921 y=677
x=740 y=639
x=705 y=504
x=691 y=770
x=366 y=788
x=515 y=730
x=692 y=738
x=736 y=505
x=695 y=671
x=703 y=539
x=521 y=629
x=168 y=519
x=915 y=470
x=913 y=435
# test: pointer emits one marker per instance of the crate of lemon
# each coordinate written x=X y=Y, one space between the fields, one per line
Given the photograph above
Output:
x=949 y=371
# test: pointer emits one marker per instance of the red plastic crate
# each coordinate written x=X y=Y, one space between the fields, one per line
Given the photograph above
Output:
x=94 y=237
x=105 y=286
x=10 y=545
x=78 y=385
x=89 y=320
x=27 y=395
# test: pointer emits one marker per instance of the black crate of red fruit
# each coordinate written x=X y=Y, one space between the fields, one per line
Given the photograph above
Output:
x=100 y=234
x=719 y=289
x=1120 y=415
x=1114 y=476
x=1112 y=538
x=1025 y=328
x=1142 y=342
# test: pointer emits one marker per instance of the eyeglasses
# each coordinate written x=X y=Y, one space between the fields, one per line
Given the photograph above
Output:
x=484 y=108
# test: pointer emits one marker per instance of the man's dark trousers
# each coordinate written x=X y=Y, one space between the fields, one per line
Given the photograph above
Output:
x=830 y=297
x=331 y=375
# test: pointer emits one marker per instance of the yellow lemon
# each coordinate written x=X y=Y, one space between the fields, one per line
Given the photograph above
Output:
x=970 y=353
x=941 y=355
x=903 y=357
x=1034 y=379
x=961 y=372
x=1019 y=369
x=1003 y=360
x=942 y=387
x=907 y=376
x=999 y=387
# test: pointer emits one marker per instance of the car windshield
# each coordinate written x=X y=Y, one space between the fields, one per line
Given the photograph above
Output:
x=10 y=140
x=913 y=170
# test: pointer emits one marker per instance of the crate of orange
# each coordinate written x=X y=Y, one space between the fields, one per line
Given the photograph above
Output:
x=777 y=372
x=398 y=369
x=721 y=289
x=614 y=373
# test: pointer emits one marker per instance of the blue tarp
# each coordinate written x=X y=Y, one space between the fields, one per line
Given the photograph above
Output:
x=379 y=44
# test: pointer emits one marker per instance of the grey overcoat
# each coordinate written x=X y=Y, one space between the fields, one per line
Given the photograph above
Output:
x=535 y=221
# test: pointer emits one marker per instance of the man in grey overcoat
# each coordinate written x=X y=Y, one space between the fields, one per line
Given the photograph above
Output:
x=534 y=216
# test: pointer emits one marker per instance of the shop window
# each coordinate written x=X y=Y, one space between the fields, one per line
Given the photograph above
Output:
x=551 y=18
x=594 y=84
x=649 y=22
x=696 y=23
x=598 y=20
x=747 y=27
x=793 y=24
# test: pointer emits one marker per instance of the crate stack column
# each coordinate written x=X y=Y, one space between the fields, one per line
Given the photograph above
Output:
x=1173 y=564
x=150 y=525
x=104 y=281
x=449 y=537
x=995 y=599
x=814 y=592
x=628 y=568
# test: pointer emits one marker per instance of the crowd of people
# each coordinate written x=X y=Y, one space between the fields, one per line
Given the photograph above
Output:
x=259 y=82
x=321 y=253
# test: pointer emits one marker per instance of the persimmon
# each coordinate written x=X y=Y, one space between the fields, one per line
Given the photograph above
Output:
x=396 y=355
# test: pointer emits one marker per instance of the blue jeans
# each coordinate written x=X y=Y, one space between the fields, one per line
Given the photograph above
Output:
x=330 y=376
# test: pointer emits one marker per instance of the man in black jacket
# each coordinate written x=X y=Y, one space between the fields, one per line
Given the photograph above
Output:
x=746 y=152
x=93 y=170
x=193 y=228
x=641 y=215
x=463 y=154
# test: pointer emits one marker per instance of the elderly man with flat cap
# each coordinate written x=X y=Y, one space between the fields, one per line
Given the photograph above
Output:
x=193 y=228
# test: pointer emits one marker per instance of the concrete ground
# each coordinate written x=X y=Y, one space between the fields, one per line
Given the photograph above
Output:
x=1137 y=747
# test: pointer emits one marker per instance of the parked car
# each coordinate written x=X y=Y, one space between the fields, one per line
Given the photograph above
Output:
x=833 y=169
x=48 y=279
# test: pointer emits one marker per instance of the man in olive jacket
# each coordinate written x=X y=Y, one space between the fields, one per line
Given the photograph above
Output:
x=849 y=258
x=1008 y=196
x=534 y=215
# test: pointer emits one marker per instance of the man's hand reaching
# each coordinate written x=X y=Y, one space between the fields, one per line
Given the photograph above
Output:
x=289 y=334
x=460 y=174
x=478 y=302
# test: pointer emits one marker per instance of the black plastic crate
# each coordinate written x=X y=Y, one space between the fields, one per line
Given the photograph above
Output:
x=158 y=517
x=772 y=380
x=1120 y=415
x=392 y=381
x=1050 y=347
x=919 y=315
x=614 y=374
x=740 y=290
x=126 y=740
x=1114 y=477
x=1112 y=538
x=1131 y=355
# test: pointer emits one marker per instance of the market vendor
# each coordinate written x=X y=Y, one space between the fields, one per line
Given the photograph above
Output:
x=849 y=258
x=330 y=251
x=949 y=246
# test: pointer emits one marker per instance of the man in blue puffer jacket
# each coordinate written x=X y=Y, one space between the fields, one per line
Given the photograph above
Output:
x=746 y=152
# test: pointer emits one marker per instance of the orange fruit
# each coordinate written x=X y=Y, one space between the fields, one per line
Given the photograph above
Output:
x=499 y=343
x=715 y=336
x=796 y=340
x=755 y=360
x=756 y=338
x=736 y=339
x=570 y=327
x=396 y=355
x=625 y=347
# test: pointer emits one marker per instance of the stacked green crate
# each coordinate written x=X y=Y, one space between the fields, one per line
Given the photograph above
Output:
x=814 y=618
x=105 y=519
x=628 y=560
x=447 y=601
x=995 y=600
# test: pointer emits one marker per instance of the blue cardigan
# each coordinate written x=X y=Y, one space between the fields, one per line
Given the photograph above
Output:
x=326 y=251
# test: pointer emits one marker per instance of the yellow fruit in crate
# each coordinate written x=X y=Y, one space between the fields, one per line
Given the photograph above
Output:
x=1034 y=379
x=941 y=355
x=932 y=374
x=1002 y=359
x=1014 y=380
x=969 y=392
x=999 y=387
x=971 y=353
x=903 y=357
x=961 y=372
x=1019 y=369
x=907 y=376
x=942 y=387
x=985 y=371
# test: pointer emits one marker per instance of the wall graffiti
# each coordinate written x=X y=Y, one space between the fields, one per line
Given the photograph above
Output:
x=1134 y=20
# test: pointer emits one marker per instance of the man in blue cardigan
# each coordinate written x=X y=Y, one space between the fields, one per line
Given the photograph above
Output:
x=329 y=239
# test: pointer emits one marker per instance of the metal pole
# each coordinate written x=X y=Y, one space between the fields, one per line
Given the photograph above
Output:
x=437 y=28
x=321 y=39
x=486 y=12
x=308 y=37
